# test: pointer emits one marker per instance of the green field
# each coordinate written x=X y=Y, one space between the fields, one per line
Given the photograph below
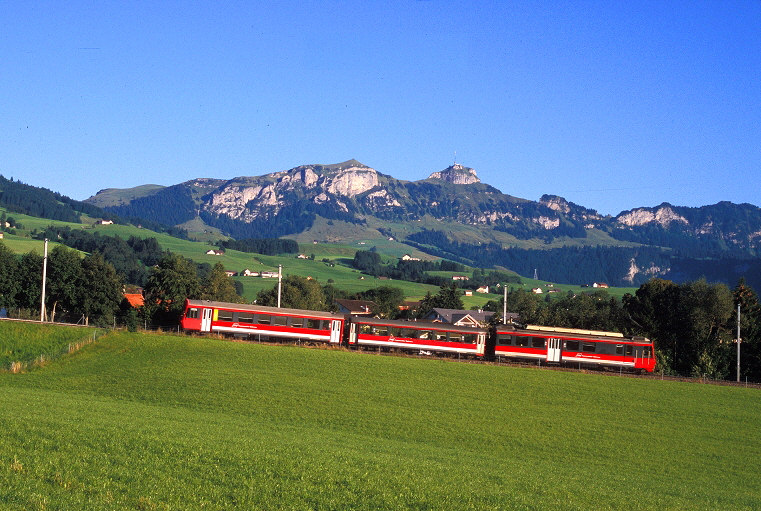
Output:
x=146 y=421
x=23 y=345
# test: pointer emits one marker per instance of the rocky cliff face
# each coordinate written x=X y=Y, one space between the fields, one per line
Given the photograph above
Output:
x=457 y=174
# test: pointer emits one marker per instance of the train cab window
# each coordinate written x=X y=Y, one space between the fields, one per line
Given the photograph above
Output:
x=297 y=322
x=455 y=337
x=245 y=317
x=425 y=335
x=263 y=319
x=619 y=349
x=224 y=315
x=365 y=329
x=280 y=320
x=504 y=340
x=538 y=342
x=521 y=341
x=440 y=336
x=572 y=345
x=588 y=347
x=192 y=314
x=646 y=352
x=470 y=338
x=629 y=350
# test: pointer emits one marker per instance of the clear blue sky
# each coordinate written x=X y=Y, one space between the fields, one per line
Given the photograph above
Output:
x=612 y=105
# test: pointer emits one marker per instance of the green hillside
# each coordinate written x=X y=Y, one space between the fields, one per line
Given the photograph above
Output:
x=138 y=421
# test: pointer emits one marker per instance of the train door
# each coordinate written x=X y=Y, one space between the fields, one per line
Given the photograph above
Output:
x=481 y=345
x=206 y=320
x=554 y=346
x=335 y=331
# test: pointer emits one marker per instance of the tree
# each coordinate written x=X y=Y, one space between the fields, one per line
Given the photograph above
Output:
x=64 y=279
x=30 y=281
x=217 y=286
x=448 y=297
x=387 y=298
x=171 y=281
x=100 y=290
x=297 y=293
x=9 y=277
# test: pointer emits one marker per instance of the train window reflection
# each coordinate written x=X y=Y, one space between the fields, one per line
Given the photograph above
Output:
x=455 y=337
x=504 y=340
x=572 y=345
x=629 y=350
x=521 y=341
x=619 y=349
x=192 y=314
x=245 y=317
x=280 y=320
x=589 y=347
x=441 y=336
x=425 y=334
x=297 y=322
x=538 y=342
x=469 y=338
x=365 y=329
x=224 y=315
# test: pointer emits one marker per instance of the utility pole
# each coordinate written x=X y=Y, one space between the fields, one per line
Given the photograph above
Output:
x=279 y=283
x=504 y=307
x=44 y=278
x=738 y=342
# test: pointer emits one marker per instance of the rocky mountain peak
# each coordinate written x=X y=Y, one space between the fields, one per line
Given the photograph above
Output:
x=457 y=174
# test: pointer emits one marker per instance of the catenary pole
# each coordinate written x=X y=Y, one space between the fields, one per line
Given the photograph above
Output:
x=279 y=283
x=504 y=307
x=738 y=342
x=44 y=278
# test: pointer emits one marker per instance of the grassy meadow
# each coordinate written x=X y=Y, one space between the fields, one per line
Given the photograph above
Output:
x=155 y=422
x=24 y=345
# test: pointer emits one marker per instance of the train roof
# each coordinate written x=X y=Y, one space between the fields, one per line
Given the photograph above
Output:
x=264 y=309
x=421 y=325
x=575 y=333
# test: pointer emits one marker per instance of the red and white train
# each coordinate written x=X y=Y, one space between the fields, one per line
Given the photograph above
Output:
x=561 y=346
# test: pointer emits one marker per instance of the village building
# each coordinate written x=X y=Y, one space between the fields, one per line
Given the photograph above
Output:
x=362 y=308
x=472 y=318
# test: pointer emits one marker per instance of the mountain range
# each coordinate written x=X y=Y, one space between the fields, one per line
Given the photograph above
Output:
x=452 y=213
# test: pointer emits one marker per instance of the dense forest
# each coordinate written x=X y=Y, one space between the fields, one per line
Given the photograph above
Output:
x=30 y=200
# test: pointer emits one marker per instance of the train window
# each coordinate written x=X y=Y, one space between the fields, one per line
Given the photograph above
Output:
x=297 y=322
x=470 y=338
x=521 y=341
x=538 y=342
x=572 y=345
x=504 y=340
x=440 y=336
x=365 y=329
x=425 y=334
x=407 y=333
x=629 y=350
x=224 y=315
x=619 y=349
x=245 y=317
x=192 y=314
x=313 y=323
x=280 y=320
x=589 y=347
x=646 y=352
x=380 y=330
x=455 y=337
x=395 y=332
x=263 y=319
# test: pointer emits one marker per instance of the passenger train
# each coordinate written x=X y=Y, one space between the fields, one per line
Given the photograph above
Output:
x=551 y=345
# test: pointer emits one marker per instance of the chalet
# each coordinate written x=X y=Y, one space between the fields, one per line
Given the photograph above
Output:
x=468 y=292
x=537 y=290
x=407 y=257
x=230 y=273
x=269 y=274
x=2 y=234
x=410 y=305
x=215 y=252
x=460 y=277
x=474 y=318
x=104 y=222
x=363 y=308
x=301 y=256
x=601 y=285
x=482 y=289
x=249 y=273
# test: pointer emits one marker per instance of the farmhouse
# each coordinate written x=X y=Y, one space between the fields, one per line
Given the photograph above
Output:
x=362 y=308
x=215 y=252
x=475 y=318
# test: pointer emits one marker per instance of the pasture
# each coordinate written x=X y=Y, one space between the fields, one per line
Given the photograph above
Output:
x=150 y=421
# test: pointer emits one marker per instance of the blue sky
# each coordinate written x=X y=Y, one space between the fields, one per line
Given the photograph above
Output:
x=612 y=105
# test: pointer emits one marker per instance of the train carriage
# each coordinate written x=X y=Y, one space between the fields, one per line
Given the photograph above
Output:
x=567 y=346
x=417 y=336
x=261 y=322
